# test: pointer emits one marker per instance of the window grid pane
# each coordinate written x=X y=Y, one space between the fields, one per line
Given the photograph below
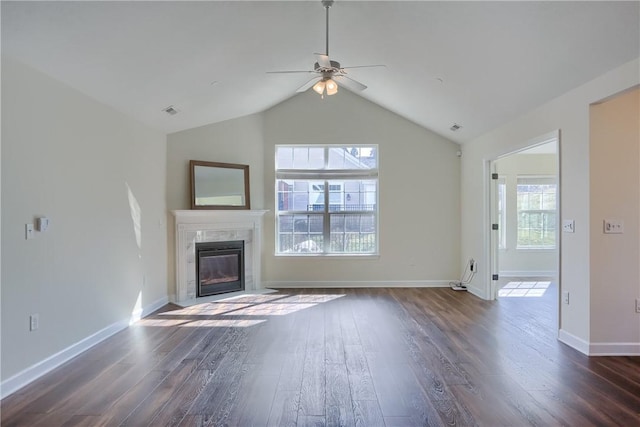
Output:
x=300 y=233
x=536 y=203
x=353 y=233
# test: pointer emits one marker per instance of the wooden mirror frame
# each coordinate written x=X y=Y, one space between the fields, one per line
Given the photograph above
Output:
x=197 y=163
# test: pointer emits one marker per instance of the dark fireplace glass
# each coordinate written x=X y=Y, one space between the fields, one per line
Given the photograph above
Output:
x=219 y=267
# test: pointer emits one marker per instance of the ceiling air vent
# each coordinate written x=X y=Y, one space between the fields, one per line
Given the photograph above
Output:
x=170 y=110
x=454 y=127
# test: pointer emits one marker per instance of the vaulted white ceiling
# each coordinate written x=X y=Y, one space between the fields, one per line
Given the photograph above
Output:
x=478 y=64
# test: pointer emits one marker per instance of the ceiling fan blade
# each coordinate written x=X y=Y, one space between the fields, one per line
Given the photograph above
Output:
x=349 y=83
x=323 y=61
x=363 y=66
x=308 y=84
x=289 y=72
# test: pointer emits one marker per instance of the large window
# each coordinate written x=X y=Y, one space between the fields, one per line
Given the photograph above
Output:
x=327 y=199
x=536 y=213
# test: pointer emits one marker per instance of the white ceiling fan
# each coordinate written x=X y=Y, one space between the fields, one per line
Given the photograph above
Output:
x=330 y=73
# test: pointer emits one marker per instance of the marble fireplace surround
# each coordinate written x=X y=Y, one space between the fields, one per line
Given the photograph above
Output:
x=196 y=226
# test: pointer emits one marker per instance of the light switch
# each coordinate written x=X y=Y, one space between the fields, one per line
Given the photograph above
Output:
x=568 y=226
x=28 y=230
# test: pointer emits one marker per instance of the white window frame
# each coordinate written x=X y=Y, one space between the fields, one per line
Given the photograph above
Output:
x=325 y=174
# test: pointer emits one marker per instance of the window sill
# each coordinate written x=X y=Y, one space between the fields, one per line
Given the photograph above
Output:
x=350 y=257
x=536 y=249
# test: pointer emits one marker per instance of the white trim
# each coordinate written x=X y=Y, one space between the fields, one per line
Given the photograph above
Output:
x=359 y=284
x=525 y=273
x=479 y=292
x=573 y=341
x=32 y=373
x=614 y=349
x=487 y=161
x=599 y=348
x=345 y=256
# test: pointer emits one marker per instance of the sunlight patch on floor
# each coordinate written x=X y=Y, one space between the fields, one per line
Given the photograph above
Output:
x=257 y=307
x=524 y=289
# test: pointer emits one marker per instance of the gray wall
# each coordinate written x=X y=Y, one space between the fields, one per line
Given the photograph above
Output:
x=419 y=187
x=99 y=176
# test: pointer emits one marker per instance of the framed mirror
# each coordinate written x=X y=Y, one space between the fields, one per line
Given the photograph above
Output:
x=219 y=185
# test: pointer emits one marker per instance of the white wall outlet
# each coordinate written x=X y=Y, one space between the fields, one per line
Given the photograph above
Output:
x=613 y=226
x=28 y=231
x=34 y=322
x=568 y=226
x=565 y=297
x=637 y=305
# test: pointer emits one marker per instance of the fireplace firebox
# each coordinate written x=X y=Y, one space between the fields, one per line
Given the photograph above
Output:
x=219 y=267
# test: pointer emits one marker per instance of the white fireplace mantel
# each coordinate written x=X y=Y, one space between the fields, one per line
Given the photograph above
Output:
x=196 y=226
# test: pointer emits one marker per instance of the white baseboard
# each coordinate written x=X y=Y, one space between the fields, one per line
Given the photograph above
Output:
x=525 y=273
x=573 y=341
x=614 y=349
x=599 y=348
x=480 y=293
x=32 y=373
x=359 y=284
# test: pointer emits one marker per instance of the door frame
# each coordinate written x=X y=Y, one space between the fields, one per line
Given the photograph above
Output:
x=490 y=191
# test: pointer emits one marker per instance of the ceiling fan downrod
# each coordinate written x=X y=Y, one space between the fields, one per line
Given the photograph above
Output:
x=327 y=4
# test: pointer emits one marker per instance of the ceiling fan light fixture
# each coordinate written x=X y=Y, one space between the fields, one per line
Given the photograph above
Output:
x=332 y=87
x=319 y=87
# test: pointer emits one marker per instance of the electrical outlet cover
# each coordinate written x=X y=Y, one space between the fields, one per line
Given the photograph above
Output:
x=613 y=226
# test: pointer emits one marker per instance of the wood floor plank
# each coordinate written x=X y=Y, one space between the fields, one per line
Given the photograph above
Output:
x=252 y=407
x=175 y=410
x=216 y=391
x=339 y=406
x=312 y=391
x=360 y=379
x=155 y=399
x=334 y=343
x=311 y=421
x=367 y=413
x=284 y=409
x=498 y=400
x=293 y=364
x=130 y=400
x=389 y=392
x=83 y=421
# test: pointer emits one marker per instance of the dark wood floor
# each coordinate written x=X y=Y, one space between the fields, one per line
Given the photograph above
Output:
x=365 y=357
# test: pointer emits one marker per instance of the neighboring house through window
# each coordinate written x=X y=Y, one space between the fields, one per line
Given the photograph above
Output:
x=327 y=199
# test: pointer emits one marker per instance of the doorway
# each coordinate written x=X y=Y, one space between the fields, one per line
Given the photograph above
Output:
x=525 y=222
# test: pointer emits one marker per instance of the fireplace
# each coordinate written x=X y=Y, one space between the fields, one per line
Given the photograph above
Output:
x=219 y=267
x=209 y=226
